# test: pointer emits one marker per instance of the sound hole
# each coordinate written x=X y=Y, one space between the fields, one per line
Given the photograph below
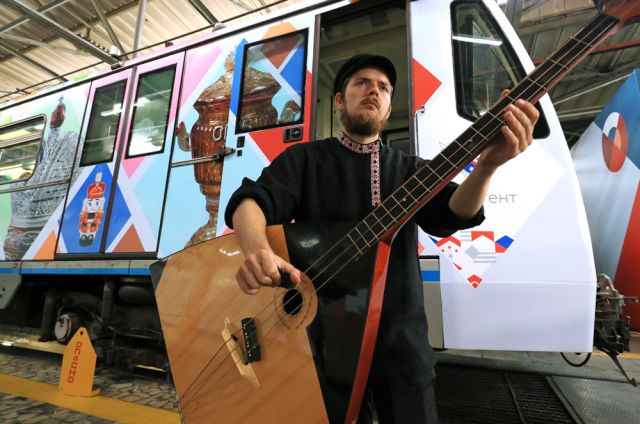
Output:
x=292 y=301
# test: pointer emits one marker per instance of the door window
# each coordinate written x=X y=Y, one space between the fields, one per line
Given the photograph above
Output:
x=151 y=112
x=19 y=148
x=104 y=122
x=484 y=62
x=273 y=77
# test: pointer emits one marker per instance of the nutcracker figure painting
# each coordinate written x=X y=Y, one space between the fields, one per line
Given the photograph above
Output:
x=92 y=211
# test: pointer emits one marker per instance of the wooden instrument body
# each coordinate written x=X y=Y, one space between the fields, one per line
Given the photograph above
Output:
x=201 y=305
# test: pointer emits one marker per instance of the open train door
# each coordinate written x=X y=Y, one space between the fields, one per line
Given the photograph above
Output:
x=525 y=278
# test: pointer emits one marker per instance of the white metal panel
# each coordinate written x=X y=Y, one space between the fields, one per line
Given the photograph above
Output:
x=539 y=294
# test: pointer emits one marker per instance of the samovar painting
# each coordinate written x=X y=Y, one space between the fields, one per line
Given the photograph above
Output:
x=208 y=135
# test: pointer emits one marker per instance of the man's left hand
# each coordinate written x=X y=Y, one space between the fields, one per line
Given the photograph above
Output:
x=514 y=138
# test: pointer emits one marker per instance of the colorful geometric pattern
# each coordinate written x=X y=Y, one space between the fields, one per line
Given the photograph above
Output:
x=74 y=238
x=185 y=204
x=472 y=251
x=607 y=158
x=139 y=198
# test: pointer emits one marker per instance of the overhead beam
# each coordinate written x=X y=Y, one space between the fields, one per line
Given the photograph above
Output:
x=582 y=92
x=36 y=16
x=107 y=26
x=578 y=17
x=142 y=6
x=204 y=11
x=47 y=7
x=43 y=45
x=87 y=25
x=580 y=114
x=513 y=12
x=127 y=4
x=31 y=62
x=241 y=5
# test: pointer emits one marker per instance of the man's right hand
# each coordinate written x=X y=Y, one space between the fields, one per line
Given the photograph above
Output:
x=262 y=269
x=261 y=265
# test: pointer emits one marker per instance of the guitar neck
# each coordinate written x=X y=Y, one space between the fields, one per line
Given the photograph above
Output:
x=386 y=219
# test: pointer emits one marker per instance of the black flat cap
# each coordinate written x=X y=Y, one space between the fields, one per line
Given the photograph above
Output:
x=361 y=61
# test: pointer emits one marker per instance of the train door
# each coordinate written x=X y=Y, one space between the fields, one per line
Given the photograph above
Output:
x=82 y=226
x=115 y=203
x=244 y=100
x=508 y=283
x=138 y=196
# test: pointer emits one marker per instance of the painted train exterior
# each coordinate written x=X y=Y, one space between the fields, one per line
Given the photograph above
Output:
x=99 y=178
x=607 y=161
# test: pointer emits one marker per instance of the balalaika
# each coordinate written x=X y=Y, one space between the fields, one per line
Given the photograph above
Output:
x=237 y=358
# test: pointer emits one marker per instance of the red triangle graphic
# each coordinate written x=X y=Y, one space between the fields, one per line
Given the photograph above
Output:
x=424 y=85
x=130 y=242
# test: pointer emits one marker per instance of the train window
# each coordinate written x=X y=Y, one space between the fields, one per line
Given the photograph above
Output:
x=19 y=149
x=151 y=112
x=484 y=62
x=104 y=122
x=273 y=77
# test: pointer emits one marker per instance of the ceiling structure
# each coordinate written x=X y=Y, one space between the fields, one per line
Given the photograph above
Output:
x=543 y=25
x=45 y=42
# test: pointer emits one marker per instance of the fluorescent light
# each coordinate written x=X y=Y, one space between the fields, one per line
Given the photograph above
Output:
x=488 y=41
x=142 y=101
x=117 y=108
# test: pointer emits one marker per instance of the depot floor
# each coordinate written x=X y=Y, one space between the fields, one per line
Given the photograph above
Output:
x=472 y=387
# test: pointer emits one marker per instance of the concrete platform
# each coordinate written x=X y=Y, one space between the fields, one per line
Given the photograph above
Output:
x=29 y=394
x=593 y=394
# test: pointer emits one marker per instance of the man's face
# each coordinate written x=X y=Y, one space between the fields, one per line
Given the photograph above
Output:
x=366 y=104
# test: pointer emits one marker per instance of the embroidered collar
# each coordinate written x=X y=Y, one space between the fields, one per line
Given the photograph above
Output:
x=374 y=150
x=354 y=146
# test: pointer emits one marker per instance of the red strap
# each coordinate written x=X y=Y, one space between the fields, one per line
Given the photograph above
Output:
x=370 y=332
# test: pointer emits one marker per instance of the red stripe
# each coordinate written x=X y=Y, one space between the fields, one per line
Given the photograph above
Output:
x=370 y=332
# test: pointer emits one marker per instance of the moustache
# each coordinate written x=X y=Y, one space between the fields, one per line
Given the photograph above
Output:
x=371 y=101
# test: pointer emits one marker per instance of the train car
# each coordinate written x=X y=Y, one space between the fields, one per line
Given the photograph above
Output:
x=100 y=178
x=607 y=160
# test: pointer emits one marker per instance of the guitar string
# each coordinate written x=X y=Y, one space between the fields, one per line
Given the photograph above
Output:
x=462 y=163
x=460 y=148
x=344 y=240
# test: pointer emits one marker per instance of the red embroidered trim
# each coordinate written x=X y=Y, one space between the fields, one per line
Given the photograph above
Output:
x=374 y=150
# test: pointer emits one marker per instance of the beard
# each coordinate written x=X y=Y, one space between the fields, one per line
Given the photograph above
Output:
x=365 y=123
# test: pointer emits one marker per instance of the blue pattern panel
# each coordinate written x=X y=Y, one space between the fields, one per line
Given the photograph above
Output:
x=71 y=227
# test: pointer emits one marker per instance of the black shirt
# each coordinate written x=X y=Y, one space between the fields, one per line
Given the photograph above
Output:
x=324 y=181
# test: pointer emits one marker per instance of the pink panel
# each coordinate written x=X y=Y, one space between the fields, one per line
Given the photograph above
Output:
x=130 y=165
x=197 y=69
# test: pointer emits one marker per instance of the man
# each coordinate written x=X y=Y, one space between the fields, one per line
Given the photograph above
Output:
x=343 y=179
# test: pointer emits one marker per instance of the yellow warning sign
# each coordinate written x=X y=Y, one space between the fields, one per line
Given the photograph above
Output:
x=78 y=366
